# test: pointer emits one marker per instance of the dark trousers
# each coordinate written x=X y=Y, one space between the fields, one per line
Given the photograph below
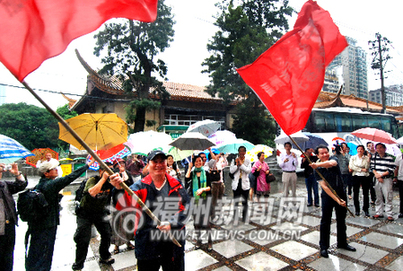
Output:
x=327 y=209
x=165 y=262
x=365 y=183
x=7 y=242
x=400 y=183
x=217 y=191
x=312 y=185
x=371 y=187
x=40 y=251
x=348 y=183
x=242 y=195
x=82 y=237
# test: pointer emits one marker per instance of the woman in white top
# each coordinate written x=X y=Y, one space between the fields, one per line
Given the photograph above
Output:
x=359 y=164
x=241 y=167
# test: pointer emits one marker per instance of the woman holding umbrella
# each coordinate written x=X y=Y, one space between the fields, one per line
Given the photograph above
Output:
x=172 y=168
x=359 y=164
x=198 y=185
x=260 y=169
x=120 y=236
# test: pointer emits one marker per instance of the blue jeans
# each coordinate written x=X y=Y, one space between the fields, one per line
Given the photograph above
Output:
x=312 y=184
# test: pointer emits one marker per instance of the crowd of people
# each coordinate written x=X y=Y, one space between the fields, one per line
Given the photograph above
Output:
x=158 y=180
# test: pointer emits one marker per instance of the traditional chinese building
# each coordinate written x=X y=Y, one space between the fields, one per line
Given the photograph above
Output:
x=187 y=103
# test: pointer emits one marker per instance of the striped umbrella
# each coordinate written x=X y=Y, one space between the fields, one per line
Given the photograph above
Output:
x=11 y=150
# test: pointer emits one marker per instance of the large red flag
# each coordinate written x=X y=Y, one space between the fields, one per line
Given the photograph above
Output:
x=35 y=30
x=289 y=75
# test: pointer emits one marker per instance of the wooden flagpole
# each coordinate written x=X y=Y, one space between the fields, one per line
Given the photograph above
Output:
x=98 y=159
x=320 y=175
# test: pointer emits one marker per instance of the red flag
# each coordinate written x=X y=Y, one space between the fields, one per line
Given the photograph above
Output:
x=289 y=75
x=35 y=30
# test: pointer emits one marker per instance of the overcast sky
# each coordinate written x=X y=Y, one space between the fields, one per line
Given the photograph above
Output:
x=358 y=19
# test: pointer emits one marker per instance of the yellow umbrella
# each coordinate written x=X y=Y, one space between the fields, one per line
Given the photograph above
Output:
x=99 y=131
x=252 y=154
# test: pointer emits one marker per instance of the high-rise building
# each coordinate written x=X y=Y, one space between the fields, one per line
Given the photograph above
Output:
x=331 y=83
x=353 y=62
x=394 y=95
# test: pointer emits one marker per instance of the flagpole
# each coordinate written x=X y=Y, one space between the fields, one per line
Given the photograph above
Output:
x=98 y=159
x=320 y=175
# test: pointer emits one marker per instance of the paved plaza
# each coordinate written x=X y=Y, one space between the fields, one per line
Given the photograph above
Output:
x=261 y=244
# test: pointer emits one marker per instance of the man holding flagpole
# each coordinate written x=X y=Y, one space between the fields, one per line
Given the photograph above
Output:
x=329 y=168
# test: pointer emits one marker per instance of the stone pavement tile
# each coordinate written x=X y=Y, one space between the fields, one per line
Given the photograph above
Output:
x=223 y=268
x=124 y=260
x=364 y=253
x=231 y=248
x=263 y=237
x=310 y=220
x=197 y=259
x=287 y=226
x=294 y=250
x=334 y=263
x=261 y=261
x=362 y=221
x=396 y=264
x=188 y=245
x=313 y=238
x=90 y=266
x=392 y=228
x=241 y=226
x=262 y=221
x=350 y=230
x=382 y=240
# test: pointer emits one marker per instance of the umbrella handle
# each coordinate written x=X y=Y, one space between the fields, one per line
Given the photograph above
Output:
x=320 y=175
x=97 y=158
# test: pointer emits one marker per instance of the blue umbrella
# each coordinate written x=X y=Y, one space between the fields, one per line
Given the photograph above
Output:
x=11 y=150
x=353 y=148
x=232 y=146
x=313 y=142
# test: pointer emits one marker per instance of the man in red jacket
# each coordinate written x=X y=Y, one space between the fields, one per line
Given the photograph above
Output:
x=167 y=198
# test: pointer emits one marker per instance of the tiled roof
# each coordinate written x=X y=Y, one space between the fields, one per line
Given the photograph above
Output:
x=188 y=92
x=113 y=85
x=327 y=99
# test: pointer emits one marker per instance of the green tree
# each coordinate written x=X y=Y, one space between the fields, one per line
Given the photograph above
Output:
x=246 y=31
x=32 y=126
x=131 y=47
x=65 y=112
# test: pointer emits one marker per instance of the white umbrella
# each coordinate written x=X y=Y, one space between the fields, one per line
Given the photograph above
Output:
x=144 y=142
x=205 y=127
x=232 y=146
x=192 y=141
x=221 y=137
x=299 y=138
x=400 y=140
x=178 y=154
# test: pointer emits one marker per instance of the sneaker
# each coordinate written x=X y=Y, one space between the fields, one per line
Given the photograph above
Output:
x=107 y=261
x=390 y=218
x=378 y=216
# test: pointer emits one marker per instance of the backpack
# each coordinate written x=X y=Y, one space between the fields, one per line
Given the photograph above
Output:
x=32 y=205
x=79 y=194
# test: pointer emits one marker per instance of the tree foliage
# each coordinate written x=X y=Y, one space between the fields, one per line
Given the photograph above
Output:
x=246 y=31
x=32 y=126
x=65 y=112
x=131 y=48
